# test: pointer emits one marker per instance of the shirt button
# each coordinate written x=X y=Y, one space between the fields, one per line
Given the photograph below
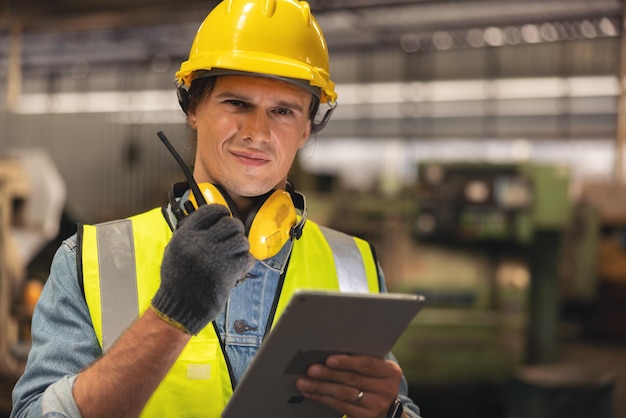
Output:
x=241 y=327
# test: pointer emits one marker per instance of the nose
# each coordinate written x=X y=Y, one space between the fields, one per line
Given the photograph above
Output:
x=256 y=126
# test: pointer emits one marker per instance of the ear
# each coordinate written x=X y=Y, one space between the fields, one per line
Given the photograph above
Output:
x=192 y=120
x=305 y=135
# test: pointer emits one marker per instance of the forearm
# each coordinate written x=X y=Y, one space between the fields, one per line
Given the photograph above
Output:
x=120 y=383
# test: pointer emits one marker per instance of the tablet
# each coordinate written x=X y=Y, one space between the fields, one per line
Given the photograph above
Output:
x=314 y=325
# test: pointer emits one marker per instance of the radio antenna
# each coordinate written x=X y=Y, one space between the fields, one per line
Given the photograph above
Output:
x=192 y=182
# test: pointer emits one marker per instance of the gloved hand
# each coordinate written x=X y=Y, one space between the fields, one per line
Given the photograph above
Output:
x=205 y=258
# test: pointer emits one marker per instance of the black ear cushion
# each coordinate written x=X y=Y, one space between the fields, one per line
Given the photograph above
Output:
x=229 y=201
x=255 y=210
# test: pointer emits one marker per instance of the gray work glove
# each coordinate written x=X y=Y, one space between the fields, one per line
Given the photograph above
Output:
x=203 y=261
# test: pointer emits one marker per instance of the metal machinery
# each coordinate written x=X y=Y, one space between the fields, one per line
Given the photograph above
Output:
x=32 y=197
x=488 y=247
x=609 y=198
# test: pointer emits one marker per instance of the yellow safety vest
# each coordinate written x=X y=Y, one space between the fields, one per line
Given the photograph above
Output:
x=121 y=261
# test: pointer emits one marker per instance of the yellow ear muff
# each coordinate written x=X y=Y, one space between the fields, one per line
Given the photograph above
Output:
x=271 y=226
x=211 y=195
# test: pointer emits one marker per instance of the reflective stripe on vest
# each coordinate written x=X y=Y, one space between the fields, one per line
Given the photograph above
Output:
x=348 y=261
x=118 y=281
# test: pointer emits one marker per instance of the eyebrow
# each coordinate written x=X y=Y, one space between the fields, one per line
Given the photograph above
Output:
x=243 y=98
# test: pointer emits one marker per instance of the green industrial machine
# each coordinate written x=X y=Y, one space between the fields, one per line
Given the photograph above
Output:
x=474 y=203
x=487 y=246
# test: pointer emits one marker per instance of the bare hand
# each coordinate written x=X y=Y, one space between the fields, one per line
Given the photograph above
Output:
x=339 y=382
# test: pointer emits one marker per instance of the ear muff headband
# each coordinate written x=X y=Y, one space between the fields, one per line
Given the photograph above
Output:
x=270 y=226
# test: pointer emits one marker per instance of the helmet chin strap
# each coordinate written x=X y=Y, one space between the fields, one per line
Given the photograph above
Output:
x=316 y=127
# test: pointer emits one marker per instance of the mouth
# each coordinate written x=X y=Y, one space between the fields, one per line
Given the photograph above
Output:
x=250 y=158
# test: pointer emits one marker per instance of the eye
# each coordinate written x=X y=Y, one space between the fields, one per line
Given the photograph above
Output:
x=283 y=111
x=237 y=103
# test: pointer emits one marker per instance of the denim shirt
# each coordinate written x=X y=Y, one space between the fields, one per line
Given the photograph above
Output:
x=64 y=342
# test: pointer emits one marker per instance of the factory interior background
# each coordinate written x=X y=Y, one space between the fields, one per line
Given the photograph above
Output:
x=478 y=144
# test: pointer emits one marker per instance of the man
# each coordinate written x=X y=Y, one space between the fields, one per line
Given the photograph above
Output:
x=159 y=315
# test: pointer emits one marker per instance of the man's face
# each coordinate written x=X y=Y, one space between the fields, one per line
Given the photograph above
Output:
x=249 y=130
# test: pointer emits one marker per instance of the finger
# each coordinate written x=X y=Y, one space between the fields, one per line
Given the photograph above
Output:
x=359 y=375
x=325 y=388
x=207 y=215
x=343 y=398
x=343 y=377
x=365 y=365
x=346 y=408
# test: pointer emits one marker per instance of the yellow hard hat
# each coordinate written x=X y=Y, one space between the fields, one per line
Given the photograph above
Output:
x=278 y=38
